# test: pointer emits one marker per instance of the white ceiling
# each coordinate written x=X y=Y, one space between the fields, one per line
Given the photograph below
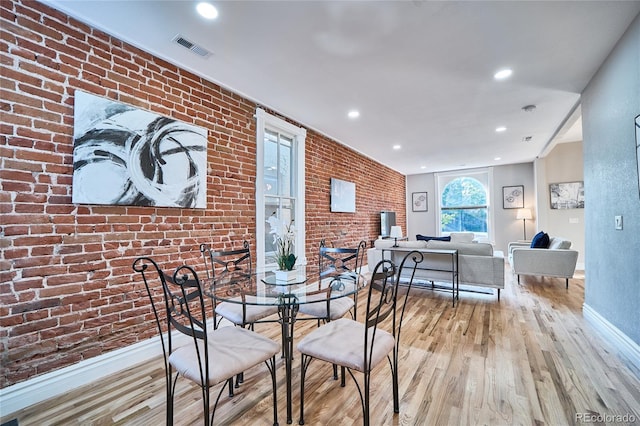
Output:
x=419 y=72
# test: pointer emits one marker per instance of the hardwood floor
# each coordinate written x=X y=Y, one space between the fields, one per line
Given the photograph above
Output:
x=529 y=359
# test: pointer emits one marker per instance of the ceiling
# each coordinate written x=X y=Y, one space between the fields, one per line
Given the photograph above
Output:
x=419 y=72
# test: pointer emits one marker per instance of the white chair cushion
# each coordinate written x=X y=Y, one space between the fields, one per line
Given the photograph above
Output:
x=233 y=311
x=338 y=307
x=341 y=342
x=232 y=350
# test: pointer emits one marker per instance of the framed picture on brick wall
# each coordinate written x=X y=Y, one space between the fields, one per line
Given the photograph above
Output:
x=124 y=155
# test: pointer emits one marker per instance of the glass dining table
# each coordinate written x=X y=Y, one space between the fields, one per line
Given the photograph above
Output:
x=265 y=290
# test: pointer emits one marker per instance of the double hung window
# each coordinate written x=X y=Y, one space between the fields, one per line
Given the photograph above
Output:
x=464 y=203
x=279 y=186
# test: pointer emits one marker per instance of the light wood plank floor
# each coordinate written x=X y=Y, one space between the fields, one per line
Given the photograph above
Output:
x=529 y=359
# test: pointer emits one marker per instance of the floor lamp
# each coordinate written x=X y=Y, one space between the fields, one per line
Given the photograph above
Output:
x=524 y=214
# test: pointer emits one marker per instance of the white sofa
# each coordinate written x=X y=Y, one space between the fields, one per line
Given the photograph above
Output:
x=558 y=260
x=478 y=264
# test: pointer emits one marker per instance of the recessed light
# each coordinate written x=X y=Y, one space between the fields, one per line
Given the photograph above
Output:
x=207 y=10
x=498 y=158
x=353 y=114
x=502 y=74
x=423 y=167
x=501 y=129
x=397 y=147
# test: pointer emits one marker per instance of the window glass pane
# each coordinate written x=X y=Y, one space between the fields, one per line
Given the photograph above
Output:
x=285 y=167
x=464 y=220
x=464 y=191
x=270 y=210
x=464 y=206
x=270 y=163
x=279 y=214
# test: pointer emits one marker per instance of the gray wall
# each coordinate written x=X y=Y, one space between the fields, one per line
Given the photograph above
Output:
x=506 y=227
x=609 y=104
x=563 y=164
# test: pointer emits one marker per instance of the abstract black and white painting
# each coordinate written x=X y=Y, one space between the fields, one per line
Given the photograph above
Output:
x=123 y=155
x=568 y=195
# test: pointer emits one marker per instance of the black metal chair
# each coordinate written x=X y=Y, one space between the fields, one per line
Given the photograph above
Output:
x=220 y=264
x=204 y=356
x=335 y=263
x=363 y=346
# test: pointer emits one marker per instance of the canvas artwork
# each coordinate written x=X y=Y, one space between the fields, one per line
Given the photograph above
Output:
x=123 y=155
x=343 y=196
x=513 y=197
x=568 y=195
x=419 y=202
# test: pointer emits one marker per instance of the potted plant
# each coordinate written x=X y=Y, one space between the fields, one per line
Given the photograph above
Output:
x=284 y=240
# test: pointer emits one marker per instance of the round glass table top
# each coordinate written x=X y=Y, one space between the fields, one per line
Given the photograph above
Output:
x=263 y=289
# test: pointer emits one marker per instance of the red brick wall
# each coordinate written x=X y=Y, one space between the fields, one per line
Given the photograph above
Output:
x=67 y=290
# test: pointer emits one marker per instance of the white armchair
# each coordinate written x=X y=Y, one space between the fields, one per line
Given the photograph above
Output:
x=556 y=261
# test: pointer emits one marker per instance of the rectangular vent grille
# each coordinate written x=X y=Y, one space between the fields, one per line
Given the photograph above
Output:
x=198 y=50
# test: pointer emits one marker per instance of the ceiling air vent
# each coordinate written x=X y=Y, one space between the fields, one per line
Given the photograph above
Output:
x=527 y=139
x=198 y=50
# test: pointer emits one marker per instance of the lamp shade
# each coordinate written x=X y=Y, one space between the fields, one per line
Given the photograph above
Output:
x=524 y=214
x=396 y=232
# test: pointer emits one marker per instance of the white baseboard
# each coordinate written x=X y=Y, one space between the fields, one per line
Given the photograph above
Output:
x=617 y=338
x=49 y=385
x=40 y=388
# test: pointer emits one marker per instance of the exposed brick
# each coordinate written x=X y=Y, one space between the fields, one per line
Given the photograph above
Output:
x=68 y=268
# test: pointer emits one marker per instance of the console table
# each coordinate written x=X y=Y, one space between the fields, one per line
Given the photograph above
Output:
x=450 y=266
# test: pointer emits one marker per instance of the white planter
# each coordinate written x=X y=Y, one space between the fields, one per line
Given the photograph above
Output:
x=286 y=276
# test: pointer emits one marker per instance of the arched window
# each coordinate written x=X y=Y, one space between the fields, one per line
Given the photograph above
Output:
x=464 y=203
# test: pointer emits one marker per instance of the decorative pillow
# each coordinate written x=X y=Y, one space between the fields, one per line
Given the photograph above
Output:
x=462 y=237
x=541 y=240
x=427 y=238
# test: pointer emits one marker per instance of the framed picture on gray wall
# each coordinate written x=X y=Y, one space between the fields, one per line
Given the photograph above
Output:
x=419 y=202
x=513 y=197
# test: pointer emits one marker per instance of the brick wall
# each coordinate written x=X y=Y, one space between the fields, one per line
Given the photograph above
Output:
x=67 y=290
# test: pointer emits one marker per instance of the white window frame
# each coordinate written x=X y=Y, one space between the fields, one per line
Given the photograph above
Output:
x=485 y=177
x=264 y=120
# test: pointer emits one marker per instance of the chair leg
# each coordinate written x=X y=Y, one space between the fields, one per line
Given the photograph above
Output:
x=567 y=285
x=205 y=403
x=305 y=360
x=367 y=379
x=342 y=373
x=498 y=295
x=518 y=279
x=394 y=377
x=230 y=383
x=271 y=365
x=335 y=372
